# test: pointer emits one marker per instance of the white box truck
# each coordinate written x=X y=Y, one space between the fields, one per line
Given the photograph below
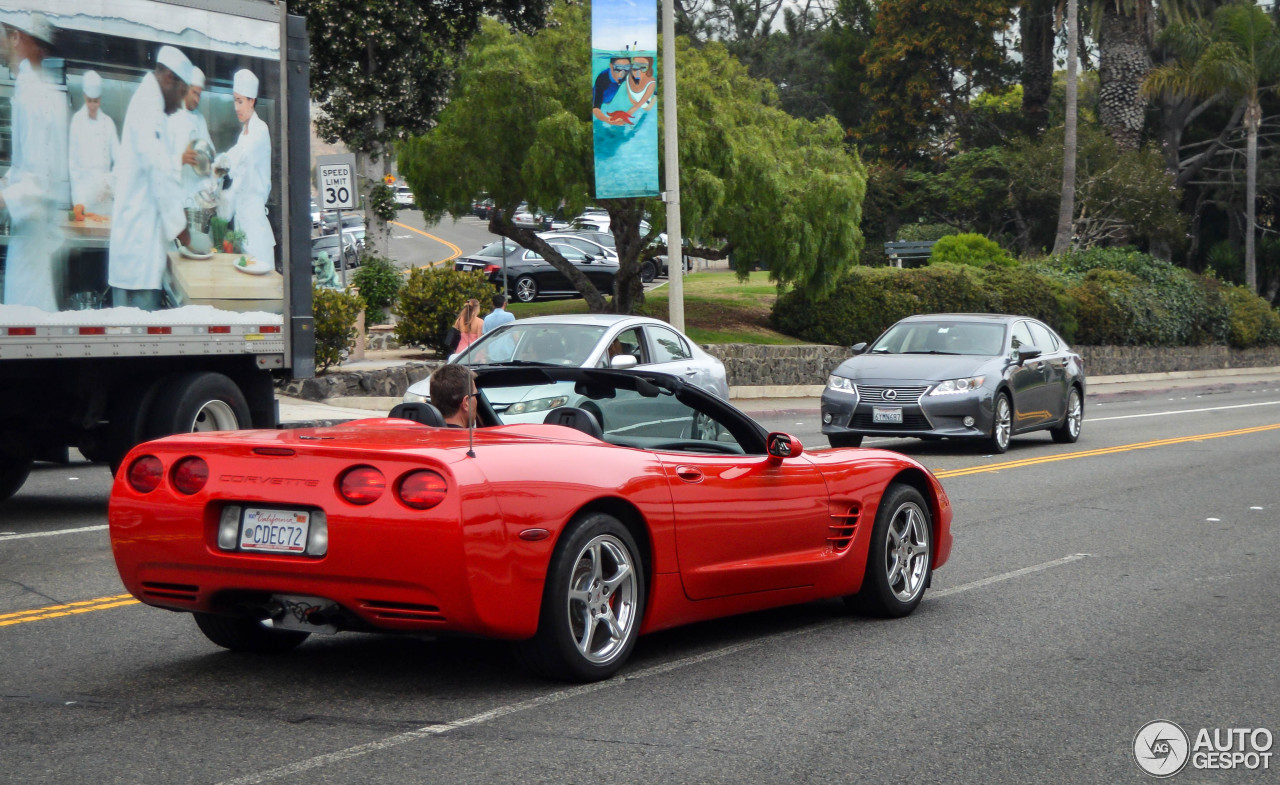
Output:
x=155 y=222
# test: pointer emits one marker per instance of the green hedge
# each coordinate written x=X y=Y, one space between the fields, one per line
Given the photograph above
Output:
x=335 y=313
x=379 y=281
x=430 y=301
x=1102 y=297
x=971 y=249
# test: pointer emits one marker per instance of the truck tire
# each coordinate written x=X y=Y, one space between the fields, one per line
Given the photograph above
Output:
x=198 y=402
x=15 y=465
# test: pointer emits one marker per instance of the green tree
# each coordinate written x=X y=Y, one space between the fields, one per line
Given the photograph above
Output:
x=925 y=60
x=753 y=179
x=1238 y=55
x=380 y=69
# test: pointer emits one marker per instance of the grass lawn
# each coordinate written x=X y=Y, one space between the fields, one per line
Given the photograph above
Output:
x=718 y=308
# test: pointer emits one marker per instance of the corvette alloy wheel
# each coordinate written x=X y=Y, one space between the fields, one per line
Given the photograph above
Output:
x=601 y=601
x=592 y=604
x=900 y=557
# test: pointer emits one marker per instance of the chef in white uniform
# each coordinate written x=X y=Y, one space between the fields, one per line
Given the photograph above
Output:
x=245 y=197
x=36 y=189
x=93 y=150
x=186 y=127
x=148 y=211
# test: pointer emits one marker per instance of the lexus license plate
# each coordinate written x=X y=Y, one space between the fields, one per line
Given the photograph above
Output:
x=274 y=531
x=887 y=414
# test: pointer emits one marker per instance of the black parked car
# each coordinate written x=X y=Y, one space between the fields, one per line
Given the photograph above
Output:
x=329 y=244
x=530 y=277
x=957 y=376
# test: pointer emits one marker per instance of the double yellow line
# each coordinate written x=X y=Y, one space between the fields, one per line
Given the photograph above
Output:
x=456 y=250
x=68 y=609
x=1071 y=456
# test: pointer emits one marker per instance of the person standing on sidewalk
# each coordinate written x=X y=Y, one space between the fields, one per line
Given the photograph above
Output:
x=499 y=315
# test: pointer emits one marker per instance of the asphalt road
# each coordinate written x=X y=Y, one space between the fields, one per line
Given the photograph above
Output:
x=1093 y=588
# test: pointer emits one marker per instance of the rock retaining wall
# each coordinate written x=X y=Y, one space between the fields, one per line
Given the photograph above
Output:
x=752 y=365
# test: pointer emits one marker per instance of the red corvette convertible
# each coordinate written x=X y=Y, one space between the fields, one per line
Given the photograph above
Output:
x=641 y=503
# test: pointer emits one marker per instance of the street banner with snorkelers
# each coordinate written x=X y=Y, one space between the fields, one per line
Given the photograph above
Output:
x=624 y=100
x=140 y=158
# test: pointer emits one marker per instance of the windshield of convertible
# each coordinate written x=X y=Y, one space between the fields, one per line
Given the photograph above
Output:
x=984 y=339
x=552 y=344
x=628 y=411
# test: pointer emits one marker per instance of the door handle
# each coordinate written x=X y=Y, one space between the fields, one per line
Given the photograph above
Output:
x=689 y=473
x=691 y=372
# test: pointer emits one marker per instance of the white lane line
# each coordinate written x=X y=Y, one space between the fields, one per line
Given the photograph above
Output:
x=53 y=533
x=559 y=696
x=1184 y=411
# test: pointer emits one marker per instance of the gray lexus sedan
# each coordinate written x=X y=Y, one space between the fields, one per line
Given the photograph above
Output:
x=957 y=376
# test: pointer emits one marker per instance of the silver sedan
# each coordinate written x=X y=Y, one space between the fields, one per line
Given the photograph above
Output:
x=591 y=341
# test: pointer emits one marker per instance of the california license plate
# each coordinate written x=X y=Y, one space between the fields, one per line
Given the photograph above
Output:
x=274 y=531
x=887 y=414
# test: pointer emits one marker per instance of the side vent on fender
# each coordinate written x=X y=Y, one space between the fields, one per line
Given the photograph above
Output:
x=842 y=528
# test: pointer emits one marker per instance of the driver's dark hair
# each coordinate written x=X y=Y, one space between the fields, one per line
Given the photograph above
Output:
x=449 y=385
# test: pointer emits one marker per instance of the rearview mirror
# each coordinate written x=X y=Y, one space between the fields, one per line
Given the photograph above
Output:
x=783 y=445
x=621 y=361
x=858 y=347
x=1029 y=353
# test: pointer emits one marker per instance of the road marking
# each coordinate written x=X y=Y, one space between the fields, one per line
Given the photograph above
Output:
x=569 y=693
x=995 y=467
x=1183 y=411
x=66 y=609
x=53 y=533
x=456 y=250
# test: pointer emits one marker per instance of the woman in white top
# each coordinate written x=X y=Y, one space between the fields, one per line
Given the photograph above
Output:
x=245 y=200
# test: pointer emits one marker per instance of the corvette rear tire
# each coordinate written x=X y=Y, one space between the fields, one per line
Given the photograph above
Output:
x=247 y=635
x=900 y=557
x=592 y=603
x=845 y=439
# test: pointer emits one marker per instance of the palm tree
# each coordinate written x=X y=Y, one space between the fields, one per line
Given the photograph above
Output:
x=1067 y=207
x=1239 y=57
x=1123 y=30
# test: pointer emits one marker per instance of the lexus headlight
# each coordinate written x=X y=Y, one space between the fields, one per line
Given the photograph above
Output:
x=955 y=386
x=841 y=384
x=537 y=405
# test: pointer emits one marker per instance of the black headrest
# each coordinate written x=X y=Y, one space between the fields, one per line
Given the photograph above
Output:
x=424 y=413
x=573 y=417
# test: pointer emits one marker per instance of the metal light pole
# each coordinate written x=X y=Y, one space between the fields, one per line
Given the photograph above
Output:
x=671 y=148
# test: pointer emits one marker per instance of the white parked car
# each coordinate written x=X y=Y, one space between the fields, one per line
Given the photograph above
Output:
x=587 y=341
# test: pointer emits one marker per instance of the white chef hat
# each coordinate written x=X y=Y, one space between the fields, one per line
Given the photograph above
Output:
x=92 y=84
x=245 y=83
x=197 y=77
x=37 y=26
x=172 y=58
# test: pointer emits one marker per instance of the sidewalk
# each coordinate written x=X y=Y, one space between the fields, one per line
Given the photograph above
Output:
x=804 y=400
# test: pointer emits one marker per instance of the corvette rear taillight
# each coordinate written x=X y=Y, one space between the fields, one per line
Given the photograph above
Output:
x=362 y=485
x=190 y=475
x=145 y=474
x=422 y=490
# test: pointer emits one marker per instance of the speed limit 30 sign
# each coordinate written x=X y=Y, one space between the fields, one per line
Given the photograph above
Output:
x=336 y=175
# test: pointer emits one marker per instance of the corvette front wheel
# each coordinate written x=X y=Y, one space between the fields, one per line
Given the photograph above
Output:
x=900 y=557
x=592 y=604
